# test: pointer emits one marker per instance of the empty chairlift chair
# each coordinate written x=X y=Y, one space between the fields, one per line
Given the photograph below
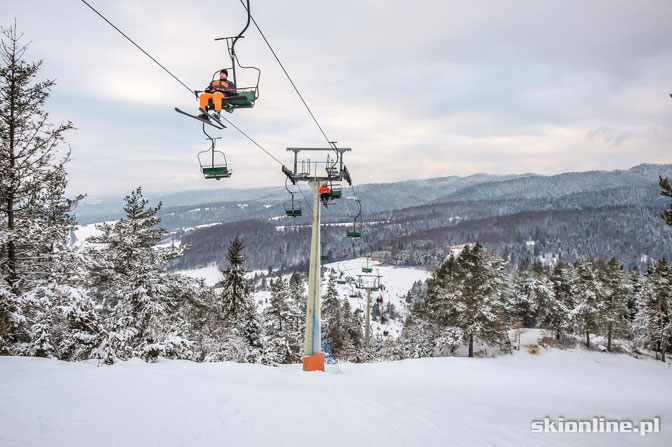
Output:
x=213 y=164
x=292 y=207
x=355 y=232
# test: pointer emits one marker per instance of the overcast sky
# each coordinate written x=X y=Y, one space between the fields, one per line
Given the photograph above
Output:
x=417 y=89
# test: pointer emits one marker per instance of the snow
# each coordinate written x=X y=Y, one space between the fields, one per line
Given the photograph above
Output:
x=396 y=280
x=211 y=274
x=82 y=232
x=425 y=402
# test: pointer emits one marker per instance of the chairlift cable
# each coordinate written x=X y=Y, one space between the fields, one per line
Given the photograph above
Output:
x=139 y=47
x=304 y=197
x=268 y=44
x=191 y=91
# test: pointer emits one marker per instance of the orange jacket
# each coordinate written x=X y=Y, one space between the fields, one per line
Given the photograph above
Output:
x=220 y=85
x=325 y=190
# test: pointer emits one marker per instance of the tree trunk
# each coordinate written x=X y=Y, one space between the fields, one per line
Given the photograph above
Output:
x=588 y=339
x=609 y=337
x=471 y=345
x=557 y=334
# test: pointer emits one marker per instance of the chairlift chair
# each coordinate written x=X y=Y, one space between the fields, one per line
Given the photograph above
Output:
x=355 y=232
x=213 y=162
x=292 y=207
x=336 y=191
x=242 y=97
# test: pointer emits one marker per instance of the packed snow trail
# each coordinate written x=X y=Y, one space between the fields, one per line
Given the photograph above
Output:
x=426 y=402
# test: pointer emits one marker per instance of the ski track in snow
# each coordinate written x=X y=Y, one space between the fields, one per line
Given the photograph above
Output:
x=451 y=401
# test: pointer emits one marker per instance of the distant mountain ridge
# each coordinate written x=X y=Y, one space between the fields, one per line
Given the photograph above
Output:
x=591 y=188
x=566 y=216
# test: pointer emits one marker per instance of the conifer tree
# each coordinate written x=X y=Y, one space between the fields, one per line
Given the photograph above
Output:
x=236 y=288
x=297 y=313
x=352 y=331
x=127 y=278
x=417 y=336
x=653 y=327
x=558 y=316
x=332 y=317
x=533 y=300
x=239 y=309
x=666 y=190
x=278 y=324
x=617 y=290
x=589 y=295
x=468 y=296
x=523 y=295
x=35 y=216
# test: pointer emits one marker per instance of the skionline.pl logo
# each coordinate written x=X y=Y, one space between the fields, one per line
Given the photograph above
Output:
x=595 y=425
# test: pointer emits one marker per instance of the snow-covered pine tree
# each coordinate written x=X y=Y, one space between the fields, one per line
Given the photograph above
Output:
x=278 y=325
x=536 y=287
x=617 y=290
x=35 y=260
x=532 y=296
x=589 y=296
x=62 y=310
x=352 y=331
x=485 y=297
x=523 y=300
x=636 y=283
x=238 y=307
x=417 y=336
x=126 y=275
x=297 y=313
x=332 y=317
x=558 y=316
x=235 y=287
x=653 y=323
x=469 y=296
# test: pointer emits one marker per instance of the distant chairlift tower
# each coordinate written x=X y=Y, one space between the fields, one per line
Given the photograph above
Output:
x=315 y=173
x=370 y=283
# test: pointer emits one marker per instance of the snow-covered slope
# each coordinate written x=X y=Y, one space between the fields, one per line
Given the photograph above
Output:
x=397 y=281
x=427 y=402
x=211 y=274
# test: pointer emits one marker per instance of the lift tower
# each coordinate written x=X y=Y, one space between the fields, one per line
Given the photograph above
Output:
x=316 y=172
x=370 y=283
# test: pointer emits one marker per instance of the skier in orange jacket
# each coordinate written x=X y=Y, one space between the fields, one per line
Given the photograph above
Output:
x=325 y=192
x=216 y=91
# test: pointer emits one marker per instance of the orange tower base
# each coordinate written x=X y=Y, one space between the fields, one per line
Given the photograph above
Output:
x=314 y=362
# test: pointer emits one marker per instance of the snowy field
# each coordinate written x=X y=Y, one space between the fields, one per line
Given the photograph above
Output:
x=426 y=402
x=397 y=282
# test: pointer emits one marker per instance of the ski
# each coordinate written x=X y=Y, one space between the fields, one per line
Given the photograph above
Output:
x=219 y=125
x=213 y=116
